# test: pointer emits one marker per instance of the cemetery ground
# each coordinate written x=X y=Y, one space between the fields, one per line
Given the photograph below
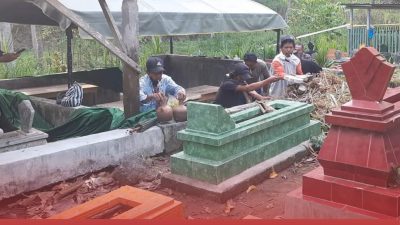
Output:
x=264 y=200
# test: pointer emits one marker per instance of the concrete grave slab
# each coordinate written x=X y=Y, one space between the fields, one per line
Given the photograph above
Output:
x=237 y=184
x=32 y=168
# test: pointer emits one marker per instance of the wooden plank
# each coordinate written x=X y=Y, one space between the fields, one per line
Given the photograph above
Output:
x=78 y=21
x=130 y=28
x=112 y=25
x=54 y=90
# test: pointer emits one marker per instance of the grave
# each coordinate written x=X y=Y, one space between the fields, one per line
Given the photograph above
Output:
x=126 y=203
x=221 y=146
x=26 y=136
x=359 y=159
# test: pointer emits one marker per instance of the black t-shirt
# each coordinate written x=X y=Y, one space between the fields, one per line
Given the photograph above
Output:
x=227 y=95
x=310 y=67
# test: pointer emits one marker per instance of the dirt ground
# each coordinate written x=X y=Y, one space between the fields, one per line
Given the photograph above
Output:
x=264 y=200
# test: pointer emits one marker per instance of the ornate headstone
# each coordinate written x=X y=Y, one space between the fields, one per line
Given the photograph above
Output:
x=361 y=154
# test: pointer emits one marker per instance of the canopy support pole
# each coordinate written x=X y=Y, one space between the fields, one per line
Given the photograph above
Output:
x=130 y=34
x=69 y=34
x=171 y=45
x=112 y=25
x=278 y=39
x=78 y=21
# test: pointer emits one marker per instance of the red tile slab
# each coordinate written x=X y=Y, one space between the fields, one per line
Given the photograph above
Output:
x=380 y=202
x=347 y=195
x=317 y=188
x=371 y=107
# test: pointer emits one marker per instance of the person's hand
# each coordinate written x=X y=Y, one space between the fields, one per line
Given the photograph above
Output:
x=276 y=78
x=181 y=96
x=157 y=97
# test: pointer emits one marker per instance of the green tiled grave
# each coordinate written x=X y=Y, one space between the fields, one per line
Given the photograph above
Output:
x=217 y=146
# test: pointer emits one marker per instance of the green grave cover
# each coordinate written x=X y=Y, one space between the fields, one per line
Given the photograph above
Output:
x=84 y=121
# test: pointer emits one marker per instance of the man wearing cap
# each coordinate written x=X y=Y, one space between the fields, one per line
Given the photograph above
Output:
x=234 y=91
x=258 y=70
x=155 y=84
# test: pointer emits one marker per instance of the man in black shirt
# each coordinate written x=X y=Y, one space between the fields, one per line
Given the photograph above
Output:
x=235 y=91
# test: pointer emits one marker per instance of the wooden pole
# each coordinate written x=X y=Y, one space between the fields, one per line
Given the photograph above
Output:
x=78 y=21
x=130 y=33
x=69 y=55
x=112 y=25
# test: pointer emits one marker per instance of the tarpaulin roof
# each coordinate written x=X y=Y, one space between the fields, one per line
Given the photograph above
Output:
x=156 y=17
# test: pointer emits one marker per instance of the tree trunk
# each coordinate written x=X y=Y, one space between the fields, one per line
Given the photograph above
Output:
x=37 y=44
x=6 y=38
x=130 y=33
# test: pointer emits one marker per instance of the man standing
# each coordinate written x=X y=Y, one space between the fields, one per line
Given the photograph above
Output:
x=307 y=62
x=235 y=91
x=155 y=85
x=285 y=63
x=299 y=52
x=258 y=70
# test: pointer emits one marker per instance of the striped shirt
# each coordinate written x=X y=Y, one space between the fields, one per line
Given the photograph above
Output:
x=166 y=85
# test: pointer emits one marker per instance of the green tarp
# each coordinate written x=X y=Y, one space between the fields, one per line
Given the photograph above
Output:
x=84 y=121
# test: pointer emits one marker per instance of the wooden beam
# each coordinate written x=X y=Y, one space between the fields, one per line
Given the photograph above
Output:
x=112 y=24
x=130 y=34
x=70 y=35
x=78 y=21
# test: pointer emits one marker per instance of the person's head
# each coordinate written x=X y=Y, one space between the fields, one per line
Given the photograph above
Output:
x=240 y=72
x=155 y=68
x=287 y=45
x=250 y=59
x=299 y=49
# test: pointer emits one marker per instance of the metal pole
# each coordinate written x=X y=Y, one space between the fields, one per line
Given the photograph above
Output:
x=278 y=39
x=351 y=38
x=69 y=55
x=368 y=26
x=171 y=45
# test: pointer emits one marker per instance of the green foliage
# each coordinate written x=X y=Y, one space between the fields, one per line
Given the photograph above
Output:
x=317 y=141
x=323 y=44
x=306 y=16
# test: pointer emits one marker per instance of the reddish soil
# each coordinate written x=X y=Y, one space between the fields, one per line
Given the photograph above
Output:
x=265 y=200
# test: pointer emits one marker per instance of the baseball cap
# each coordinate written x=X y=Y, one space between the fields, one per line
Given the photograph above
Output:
x=154 y=65
x=250 y=57
x=242 y=70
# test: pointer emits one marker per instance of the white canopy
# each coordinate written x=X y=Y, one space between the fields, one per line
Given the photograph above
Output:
x=156 y=17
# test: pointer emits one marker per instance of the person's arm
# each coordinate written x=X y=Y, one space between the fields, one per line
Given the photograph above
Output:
x=299 y=71
x=278 y=69
x=145 y=98
x=175 y=90
x=266 y=75
x=257 y=96
x=257 y=85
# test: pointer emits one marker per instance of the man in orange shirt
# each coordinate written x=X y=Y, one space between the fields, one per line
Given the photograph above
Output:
x=285 y=63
